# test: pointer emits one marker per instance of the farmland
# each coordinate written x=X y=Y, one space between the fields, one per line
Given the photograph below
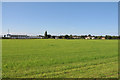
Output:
x=50 y=58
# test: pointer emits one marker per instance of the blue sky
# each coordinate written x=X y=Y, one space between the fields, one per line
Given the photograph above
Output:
x=59 y=18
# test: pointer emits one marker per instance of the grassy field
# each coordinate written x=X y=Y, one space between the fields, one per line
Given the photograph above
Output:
x=36 y=58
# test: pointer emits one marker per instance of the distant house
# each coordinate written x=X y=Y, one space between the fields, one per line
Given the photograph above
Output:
x=103 y=38
x=89 y=37
x=56 y=37
x=92 y=37
x=75 y=37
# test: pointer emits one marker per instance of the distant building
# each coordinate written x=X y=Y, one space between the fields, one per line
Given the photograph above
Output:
x=89 y=37
x=92 y=37
x=18 y=36
x=34 y=37
x=23 y=37
x=103 y=38
x=8 y=35
x=56 y=37
x=75 y=37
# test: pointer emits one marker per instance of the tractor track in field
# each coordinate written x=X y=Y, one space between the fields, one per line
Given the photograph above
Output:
x=69 y=70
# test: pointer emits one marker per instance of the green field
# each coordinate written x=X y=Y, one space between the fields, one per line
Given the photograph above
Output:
x=40 y=58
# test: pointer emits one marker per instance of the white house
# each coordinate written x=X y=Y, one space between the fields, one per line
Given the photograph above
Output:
x=92 y=37
x=89 y=37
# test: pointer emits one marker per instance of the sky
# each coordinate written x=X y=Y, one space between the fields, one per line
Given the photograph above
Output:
x=60 y=18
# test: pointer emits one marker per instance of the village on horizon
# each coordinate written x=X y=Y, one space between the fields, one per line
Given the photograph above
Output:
x=48 y=36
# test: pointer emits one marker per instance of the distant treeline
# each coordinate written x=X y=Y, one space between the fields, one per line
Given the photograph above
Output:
x=48 y=36
x=81 y=37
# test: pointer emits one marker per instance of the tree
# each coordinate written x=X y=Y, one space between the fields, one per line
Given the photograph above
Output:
x=46 y=35
x=70 y=36
x=53 y=37
x=119 y=37
x=49 y=36
x=89 y=35
x=108 y=37
x=95 y=37
x=4 y=35
x=66 y=36
x=60 y=37
x=83 y=36
x=114 y=37
x=99 y=37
